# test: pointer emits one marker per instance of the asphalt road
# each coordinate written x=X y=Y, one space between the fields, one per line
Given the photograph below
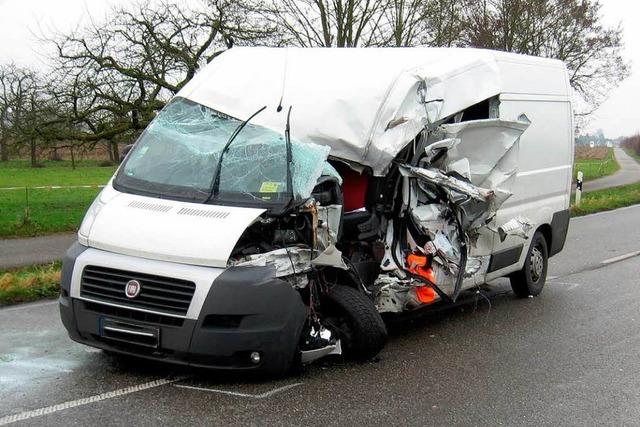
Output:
x=34 y=250
x=629 y=173
x=567 y=357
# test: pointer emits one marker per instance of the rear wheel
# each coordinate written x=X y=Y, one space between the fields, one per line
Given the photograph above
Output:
x=354 y=319
x=531 y=279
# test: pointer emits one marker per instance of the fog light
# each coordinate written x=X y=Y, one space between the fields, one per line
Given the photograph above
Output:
x=255 y=357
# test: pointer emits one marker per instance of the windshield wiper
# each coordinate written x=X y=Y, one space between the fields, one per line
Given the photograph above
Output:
x=287 y=139
x=216 y=178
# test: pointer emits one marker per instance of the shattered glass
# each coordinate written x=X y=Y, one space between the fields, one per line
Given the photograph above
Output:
x=179 y=151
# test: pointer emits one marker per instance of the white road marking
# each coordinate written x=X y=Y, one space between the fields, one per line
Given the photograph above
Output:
x=621 y=257
x=570 y=285
x=23 y=306
x=84 y=401
x=238 y=394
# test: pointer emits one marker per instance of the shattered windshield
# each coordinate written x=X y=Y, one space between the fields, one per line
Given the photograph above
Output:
x=177 y=155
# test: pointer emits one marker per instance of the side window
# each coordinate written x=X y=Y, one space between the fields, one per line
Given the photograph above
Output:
x=487 y=109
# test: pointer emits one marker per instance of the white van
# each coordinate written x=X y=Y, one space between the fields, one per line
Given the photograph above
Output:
x=286 y=199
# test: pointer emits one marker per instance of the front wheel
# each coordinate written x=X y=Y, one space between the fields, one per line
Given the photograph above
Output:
x=531 y=279
x=354 y=319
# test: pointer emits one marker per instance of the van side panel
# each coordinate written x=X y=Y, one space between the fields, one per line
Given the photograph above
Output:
x=543 y=183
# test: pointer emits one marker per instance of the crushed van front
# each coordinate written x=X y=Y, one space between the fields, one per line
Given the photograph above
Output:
x=228 y=318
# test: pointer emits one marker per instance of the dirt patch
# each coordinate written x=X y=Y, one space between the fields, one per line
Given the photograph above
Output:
x=589 y=153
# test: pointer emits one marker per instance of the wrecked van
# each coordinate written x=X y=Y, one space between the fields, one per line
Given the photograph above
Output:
x=286 y=199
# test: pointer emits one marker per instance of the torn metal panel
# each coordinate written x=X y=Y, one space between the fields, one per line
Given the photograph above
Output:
x=369 y=104
x=491 y=148
x=518 y=226
x=331 y=257
x=393 y=294
x=287 y=261
x=438 y=178
x=474 y=163
x=329 y=225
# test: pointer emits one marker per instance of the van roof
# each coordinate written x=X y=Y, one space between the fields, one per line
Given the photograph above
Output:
x=364 y=103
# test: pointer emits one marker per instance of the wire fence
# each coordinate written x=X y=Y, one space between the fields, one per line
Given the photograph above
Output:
x=26 y=210
x=49 y=187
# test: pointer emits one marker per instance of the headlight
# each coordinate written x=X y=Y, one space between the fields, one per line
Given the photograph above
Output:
x=102 y=199
x=89 y=218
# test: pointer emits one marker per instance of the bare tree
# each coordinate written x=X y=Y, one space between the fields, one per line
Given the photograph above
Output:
x=115 y=75
x=569 y=30
x=110 y=77
x=327 y=23
x=20 y=106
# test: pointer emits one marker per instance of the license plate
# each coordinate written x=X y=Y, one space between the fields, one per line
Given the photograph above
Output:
x=143 y=335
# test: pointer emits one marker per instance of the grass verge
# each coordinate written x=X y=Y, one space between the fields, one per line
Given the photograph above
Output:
x=29 y=283
x=631 y=152
x=595 y=168
x=608 y=199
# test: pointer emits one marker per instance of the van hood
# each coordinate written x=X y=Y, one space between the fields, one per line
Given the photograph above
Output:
x=168 y=230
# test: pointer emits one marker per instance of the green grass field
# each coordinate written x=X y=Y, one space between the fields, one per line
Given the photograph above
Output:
x=50 y=210
x=632 y=153
x=17 y=173
x=595 y=168
x=605 y=200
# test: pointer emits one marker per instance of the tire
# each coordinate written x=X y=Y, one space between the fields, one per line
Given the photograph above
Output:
x=531 y=279
x=351 y=315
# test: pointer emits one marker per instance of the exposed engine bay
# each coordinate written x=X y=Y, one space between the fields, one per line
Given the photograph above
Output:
x=419 y=235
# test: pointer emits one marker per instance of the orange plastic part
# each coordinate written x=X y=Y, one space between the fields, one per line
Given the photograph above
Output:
x=418 y=265
x=425 y=294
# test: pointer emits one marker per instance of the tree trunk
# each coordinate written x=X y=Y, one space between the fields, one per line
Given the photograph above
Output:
x=73 y=158
x=34 y=156
x=110 y=151
x=4 y=150
x=116 y=152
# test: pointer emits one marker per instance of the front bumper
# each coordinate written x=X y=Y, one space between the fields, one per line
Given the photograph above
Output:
x=245 y=310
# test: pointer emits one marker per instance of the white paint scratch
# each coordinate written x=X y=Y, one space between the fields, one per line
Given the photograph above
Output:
x=238 y=394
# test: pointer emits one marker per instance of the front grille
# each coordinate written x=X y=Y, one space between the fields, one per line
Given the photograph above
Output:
x=126 y=313
x=162 y=294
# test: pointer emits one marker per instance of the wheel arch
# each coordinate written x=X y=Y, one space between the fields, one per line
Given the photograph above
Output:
x=547 y=233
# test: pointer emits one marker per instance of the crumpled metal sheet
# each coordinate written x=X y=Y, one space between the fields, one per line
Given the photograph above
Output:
x=475 y=163
x=329 y=223
x=485 y=152
x=286 y=260
x=491 y=148
x=346 y=98
x=437 y=177
x=518 y=226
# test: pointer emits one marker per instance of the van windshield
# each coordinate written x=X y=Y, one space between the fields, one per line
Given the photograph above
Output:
x=177 y=155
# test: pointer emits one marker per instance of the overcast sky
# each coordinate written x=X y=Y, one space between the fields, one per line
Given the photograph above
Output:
x=21 y=21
